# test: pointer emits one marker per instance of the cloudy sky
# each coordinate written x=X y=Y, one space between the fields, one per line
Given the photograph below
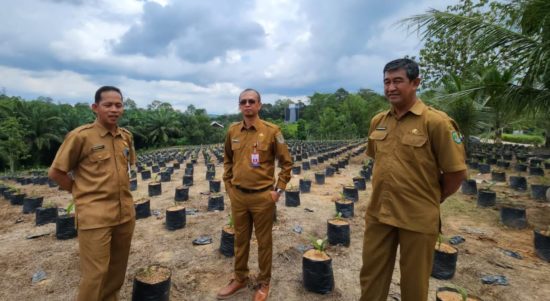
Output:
x=201 y=52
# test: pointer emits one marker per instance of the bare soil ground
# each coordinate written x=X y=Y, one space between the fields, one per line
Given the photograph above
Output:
x=199 y=271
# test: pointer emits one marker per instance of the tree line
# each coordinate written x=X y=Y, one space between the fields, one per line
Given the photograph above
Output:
x=485 y=63
x=31 y=131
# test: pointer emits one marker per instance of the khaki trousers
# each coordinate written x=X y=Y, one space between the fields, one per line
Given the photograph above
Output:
x=252 y=210
x=103 y=260
x=379 y=251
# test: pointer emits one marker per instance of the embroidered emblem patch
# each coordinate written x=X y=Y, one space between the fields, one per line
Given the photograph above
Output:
x=457 y=138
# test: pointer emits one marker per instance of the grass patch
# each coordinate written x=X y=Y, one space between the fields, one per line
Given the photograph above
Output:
x=523 y=138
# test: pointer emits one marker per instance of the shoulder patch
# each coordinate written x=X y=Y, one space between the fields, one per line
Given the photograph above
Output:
x=457 y=137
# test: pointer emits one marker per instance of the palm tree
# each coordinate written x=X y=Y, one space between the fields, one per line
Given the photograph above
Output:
x=42 y=126
x=468 y=111
x=492 y=90
x=161 y=125
x=524 y=42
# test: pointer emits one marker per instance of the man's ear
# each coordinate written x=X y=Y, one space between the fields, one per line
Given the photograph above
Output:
x=416 y=82
x=94 y=107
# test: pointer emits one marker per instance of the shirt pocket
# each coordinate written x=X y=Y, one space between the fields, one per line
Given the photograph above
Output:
x=412 y=147
x=264 y=151
x=235 y=146
x=100 y=160
x=380 y=141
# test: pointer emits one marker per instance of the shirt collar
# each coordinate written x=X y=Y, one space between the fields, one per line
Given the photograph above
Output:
x=416 y=109
x=103 y=131
x=257 y=125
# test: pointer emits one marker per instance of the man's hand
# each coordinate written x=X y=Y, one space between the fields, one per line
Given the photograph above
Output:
x=275 y=196
x=61 y=178
x=450 y=182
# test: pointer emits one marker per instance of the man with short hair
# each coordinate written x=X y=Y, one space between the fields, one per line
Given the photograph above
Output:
x=251 y=147
x=100 y=155
x=419 y=162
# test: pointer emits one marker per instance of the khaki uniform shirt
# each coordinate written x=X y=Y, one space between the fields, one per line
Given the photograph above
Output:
x=410 y=154
x=100 y=164
x=269 y=143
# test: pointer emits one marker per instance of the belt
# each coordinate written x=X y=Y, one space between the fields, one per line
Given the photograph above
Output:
x=246 y=190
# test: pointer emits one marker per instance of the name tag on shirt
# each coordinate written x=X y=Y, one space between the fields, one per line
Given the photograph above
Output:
x=98 y=147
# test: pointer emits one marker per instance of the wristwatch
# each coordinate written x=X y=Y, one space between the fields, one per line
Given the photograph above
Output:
x=279 y=191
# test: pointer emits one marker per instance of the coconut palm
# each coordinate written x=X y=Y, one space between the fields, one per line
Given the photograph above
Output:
x=468 y=111
x=524 y=42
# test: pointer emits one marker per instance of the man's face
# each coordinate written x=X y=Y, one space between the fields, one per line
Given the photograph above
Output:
x=398 y=89
x=109 y=108
x=249 y=104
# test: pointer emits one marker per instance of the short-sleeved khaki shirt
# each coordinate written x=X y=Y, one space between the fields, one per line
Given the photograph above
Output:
x=410 y=154
x=266 y=140
x=100 y=163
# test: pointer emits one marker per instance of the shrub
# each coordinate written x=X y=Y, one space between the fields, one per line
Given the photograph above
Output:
x=522 y=138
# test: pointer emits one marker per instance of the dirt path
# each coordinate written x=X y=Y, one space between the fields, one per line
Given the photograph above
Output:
x=198 y=272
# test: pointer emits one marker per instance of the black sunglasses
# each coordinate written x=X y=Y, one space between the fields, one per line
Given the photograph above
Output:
x=242 y=102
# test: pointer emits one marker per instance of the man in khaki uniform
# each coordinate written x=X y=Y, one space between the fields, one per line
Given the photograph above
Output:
x=99 y=155
x=251 y=147
x=419 y=161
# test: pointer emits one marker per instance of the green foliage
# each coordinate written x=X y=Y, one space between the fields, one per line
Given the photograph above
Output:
x=523 y=138
x=156 y=178
x=341 y=115
x=12 y=144
x=505 y=44
x=319 y=244
x=448 y=50
x=461 y=290
x=231 y=222
x=70 y=208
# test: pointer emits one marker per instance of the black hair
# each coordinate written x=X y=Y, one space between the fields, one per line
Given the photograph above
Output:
x=251 y=90
x=410 y=67
x=106 y=89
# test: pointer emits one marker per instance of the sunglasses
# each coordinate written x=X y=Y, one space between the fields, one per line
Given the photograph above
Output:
x=243 y=102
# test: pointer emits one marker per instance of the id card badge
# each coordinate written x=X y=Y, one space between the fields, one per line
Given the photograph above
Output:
x=255 y=160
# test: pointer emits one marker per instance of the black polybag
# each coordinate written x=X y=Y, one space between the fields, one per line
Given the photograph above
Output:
x=227 y=244
x=318 y=276
x=444 y=265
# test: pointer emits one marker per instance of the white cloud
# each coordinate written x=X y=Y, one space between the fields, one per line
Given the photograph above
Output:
x=64 y=85
x=66 y=49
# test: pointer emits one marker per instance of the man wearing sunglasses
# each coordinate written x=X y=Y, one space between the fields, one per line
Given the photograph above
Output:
x=251 y=147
